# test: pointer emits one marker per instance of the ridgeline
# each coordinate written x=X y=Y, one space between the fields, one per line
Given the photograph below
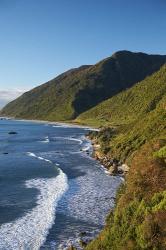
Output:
x=125 y=95
x=136 y=135
x=78 y=90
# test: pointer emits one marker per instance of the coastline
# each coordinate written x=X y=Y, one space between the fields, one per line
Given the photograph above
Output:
x=84 y=236
x=112 y=166
x=60 y=123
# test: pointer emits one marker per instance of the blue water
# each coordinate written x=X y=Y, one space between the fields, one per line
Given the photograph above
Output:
x=51 y=189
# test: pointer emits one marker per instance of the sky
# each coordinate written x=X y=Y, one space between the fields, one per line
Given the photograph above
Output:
x=40 y=39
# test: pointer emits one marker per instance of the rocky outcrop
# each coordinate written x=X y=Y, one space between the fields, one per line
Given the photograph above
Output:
x=12 y=133
x=114 y=166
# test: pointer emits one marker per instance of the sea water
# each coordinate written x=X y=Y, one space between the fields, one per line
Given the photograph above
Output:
x=51 y=190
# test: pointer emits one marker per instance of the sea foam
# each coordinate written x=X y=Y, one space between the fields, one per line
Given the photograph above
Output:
x=38 y=157
x=30 y=231
x=69 y=139
x=46 y=140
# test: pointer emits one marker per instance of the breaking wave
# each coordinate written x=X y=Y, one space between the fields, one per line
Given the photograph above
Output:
x=38 y=157
x=46 y=140
x=69 y=139
x=30 y=231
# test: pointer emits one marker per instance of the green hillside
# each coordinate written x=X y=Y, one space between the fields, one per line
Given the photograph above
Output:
x=138 y=136
x=131 y=104
x=78 y=90
x=137 y=115
x=125 y=95
x=138 y=220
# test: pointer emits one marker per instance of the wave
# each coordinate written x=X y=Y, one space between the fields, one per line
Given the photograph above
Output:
x=38 y=157
x=64 y=125
x=46 y=140
x=105 y=170
x=87 y=146
x=75 y=139
x=92 y=129
x=30 y=231
x=31 y=154
x=75 y=240
x=70 y=139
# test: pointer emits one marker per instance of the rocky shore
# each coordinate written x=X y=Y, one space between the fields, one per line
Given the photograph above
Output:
x=112 y=165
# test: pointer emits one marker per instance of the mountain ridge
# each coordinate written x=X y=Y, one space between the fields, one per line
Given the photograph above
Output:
x=77 y=90
x=133 y=124
x=135 y=133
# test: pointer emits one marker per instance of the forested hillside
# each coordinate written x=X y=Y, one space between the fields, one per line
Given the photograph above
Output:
x=124 y=95
x=77 y=90
x=137 y=114
x=136 y=135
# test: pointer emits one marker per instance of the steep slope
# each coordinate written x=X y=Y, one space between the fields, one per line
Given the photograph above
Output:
x=137 y=115
x=77 y=90
x=138 y=220
x=130 y=104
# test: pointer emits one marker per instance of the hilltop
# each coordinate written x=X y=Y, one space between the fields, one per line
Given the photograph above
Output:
x=125 y=95
x=78 y=90
x=137 y=114
x=135 y=133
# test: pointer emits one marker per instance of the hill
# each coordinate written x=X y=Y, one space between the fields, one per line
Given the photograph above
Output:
x=130 y=104
x=138 y=220
x=136 y=135
x=78 y=90
x=125 y=95
x=137 y=116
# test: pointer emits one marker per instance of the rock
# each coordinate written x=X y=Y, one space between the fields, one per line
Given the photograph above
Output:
x=82 y=234
x=113 y=170
x=123 y=169
x=115 y=161
x=83 y=243
x=12 y=133
x=120 y=171
x=71 y=248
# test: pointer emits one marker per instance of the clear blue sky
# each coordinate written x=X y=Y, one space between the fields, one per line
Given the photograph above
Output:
x=41 y=38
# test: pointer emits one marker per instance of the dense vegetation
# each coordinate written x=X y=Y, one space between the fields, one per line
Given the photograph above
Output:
x=137 y=116
x=125 y=95
x=130 y=104
x=139 y=219
x=77 y=90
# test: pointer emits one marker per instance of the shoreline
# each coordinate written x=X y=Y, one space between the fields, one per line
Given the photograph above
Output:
x=85 y=239
x=111 y=165
x=60 y=123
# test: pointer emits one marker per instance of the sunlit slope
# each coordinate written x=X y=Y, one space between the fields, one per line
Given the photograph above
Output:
x=138 y=220
x=137 y=116
x=78 y=90
x=131 y=104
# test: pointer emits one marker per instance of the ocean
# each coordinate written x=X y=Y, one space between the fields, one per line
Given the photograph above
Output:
x=52 y=192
